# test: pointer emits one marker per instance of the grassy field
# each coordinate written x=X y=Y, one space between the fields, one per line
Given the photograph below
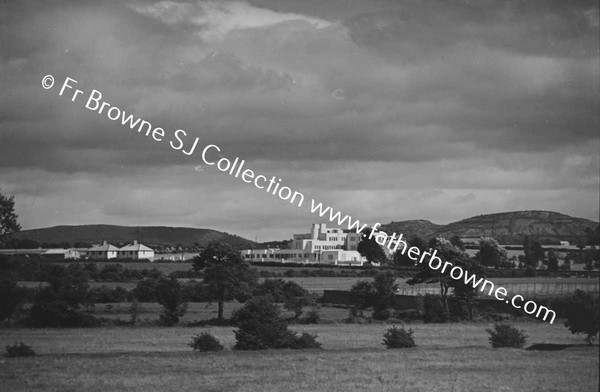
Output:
x=449 y=357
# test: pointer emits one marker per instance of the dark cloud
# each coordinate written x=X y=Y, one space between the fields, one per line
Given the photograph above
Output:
x=423 y=103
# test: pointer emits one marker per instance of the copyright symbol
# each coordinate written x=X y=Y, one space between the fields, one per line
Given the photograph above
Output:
x=48 y=81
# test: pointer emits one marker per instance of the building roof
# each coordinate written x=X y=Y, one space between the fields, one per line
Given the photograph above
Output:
x=56 y=252
x=136 y=247
x=37 y=251
x=104 y=247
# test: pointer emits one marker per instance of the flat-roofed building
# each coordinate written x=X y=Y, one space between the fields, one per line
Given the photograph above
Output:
x=322 y=245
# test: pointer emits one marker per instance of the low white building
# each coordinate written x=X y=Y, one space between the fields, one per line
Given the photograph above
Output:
x=321 y=246
x=135 y=251
x=61 y=254
x=105 y=251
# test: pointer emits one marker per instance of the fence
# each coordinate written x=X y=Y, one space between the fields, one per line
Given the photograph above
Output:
x=527 y=290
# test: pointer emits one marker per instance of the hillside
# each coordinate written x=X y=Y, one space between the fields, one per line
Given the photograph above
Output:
x=507 y=227
x=422 y=228
x=149 y=235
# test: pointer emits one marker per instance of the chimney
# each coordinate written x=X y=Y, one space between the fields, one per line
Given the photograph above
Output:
x=134 y=242
x=105 y=242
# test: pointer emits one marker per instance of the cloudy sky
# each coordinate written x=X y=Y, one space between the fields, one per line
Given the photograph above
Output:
x=386 y=110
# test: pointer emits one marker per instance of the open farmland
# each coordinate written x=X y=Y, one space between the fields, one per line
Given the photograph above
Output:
x=450 y=357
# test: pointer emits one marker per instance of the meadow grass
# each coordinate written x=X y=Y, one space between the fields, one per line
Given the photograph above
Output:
x=448 y=357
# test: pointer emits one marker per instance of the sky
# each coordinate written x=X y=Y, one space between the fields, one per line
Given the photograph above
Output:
x=386 y=110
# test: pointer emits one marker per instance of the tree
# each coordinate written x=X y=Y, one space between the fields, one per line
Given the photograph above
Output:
x=552 y=261
x=370 y=249
x=450 y=253
x=8 y=218
x=583 y=314
x=146 y=290
x=291 y=294
x=490 y=253
x=402 y=258
x=170 y=296
x=11 y=298
x=533 y=252
x=378 y=294
x=261 y=327
x=225 y=274
x=59 y=304
x=363 y=295
x=456 y=241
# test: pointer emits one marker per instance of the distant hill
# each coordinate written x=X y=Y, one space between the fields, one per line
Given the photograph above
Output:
x=148 y=235
x=422 y=228
x=506 y=227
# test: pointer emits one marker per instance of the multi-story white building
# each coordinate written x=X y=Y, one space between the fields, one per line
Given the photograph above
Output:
x=322 y=245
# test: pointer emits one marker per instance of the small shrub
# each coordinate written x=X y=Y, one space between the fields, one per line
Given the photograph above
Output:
x=205 y=342
x=506 y=335
x=381 y=314
x=19 y=350
x=398 y=338
x=305 y=341
x=261 y=327
x=312 y=317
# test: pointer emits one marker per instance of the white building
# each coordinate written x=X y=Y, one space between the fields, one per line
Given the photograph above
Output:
x=135 y=251
x=61 y=254
x=322 y=246
x=105 y=251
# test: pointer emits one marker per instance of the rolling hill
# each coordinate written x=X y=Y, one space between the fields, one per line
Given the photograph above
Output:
x=149 y=235
x=506 y=227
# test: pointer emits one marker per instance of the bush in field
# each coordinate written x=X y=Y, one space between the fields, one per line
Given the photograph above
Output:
x=261 y=327
x=205 y=342
x=169 y=295
x=434 y=310
x=312 y=317
x=583 y=315
x=377 y=294
x=505 y=335
x=398 y=338
x=305 y=341
x=19 y=350
x=294 y=297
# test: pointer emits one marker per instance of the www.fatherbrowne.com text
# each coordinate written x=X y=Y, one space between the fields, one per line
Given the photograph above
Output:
x=211 y=156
